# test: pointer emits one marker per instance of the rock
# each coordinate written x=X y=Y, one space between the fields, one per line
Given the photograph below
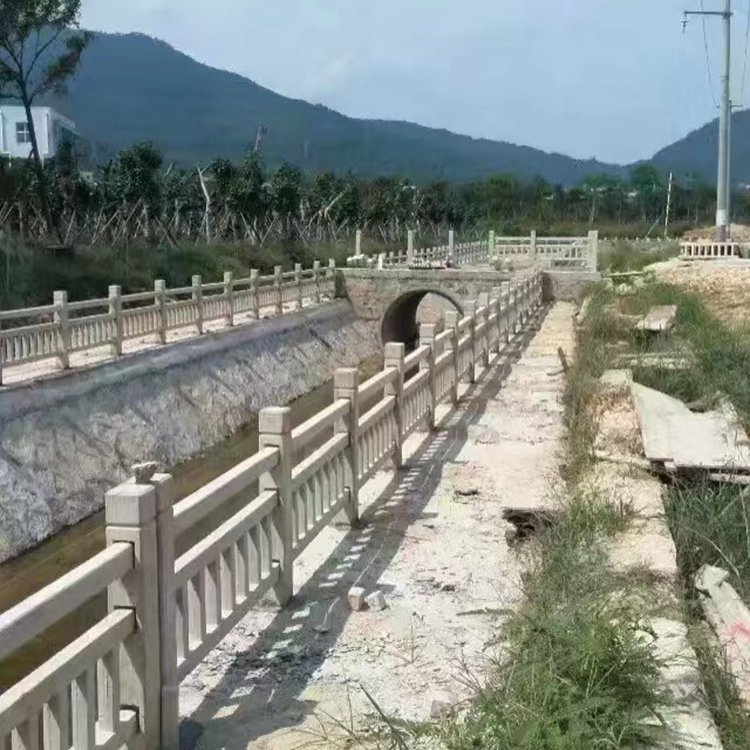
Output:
x=356 y=597
x=440 y=709
x=376 y=601
x=143 y=472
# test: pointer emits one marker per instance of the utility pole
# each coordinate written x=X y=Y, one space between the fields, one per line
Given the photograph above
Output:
x=723 y=186
x=669 y=204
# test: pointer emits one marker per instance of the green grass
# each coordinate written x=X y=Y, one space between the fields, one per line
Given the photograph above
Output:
x=710 y=523
x=621 y=255
x=575 y=672
x=593 y=357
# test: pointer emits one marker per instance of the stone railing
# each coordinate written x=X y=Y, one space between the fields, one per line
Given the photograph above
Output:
x=119 y=682
x=438 y=256
x=572 y=253
x=579 y=253
x=63 y=328
x=710 y=250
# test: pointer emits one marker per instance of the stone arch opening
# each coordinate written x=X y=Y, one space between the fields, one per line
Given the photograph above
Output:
x=401 y=321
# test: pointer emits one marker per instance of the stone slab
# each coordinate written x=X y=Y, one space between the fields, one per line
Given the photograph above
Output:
x=658 y=319
x=671 y=432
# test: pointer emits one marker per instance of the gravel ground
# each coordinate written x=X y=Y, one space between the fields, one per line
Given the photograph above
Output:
x=723 y=285
x=433 y=541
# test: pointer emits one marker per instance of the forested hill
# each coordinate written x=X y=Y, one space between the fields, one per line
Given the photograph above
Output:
x=695 y=155
x=133 y=88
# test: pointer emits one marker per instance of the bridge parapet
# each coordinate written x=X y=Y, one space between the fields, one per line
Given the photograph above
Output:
x=573 y=253
x=119 y=681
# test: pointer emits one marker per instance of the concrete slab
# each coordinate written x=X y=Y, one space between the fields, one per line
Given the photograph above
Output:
x=730 y=618
x=645 y=548
x=671 y=432
x=658 y=319
x=686 y=716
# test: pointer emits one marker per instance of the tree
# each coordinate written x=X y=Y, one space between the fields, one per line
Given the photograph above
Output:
x=40 y=49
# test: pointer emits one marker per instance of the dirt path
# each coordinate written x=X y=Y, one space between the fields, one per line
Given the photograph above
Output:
x=433 y=541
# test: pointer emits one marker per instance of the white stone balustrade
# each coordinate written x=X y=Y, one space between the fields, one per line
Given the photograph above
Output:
x=63 y=328
x=710 y=250
x=118 y=684
x=563 y=253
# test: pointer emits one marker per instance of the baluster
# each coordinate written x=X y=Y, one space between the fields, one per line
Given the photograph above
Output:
x=83 y=704
x=108 y=687
x=56 y=718
x=228 y=580
x=197 y=624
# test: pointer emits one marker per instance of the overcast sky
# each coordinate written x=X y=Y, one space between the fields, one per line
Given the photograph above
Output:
x=614 y=79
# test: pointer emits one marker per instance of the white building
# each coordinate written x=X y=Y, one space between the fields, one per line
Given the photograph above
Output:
x=51 y=127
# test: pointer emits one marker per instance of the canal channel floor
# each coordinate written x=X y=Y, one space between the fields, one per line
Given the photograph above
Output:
x=433 y=540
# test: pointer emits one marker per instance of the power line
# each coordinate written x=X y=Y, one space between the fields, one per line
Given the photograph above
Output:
x=708 y=56
x=747 y=48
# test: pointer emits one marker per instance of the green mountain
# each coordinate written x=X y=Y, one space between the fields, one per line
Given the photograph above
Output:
x=133 y=88
x=695 y=155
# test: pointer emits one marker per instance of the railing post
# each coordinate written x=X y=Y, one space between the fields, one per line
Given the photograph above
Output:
x=484 y=318
x=60 y=300
x=452 y=245
x=470 y=311
x=275 y=427
x=451 y=324
x=358 y=243
x=346 y=386
x=505 y=310
x=166 y=495
x=254 y=274
x=197 y=284
x=593 y=250
x=496 y=304
x=316 y=276
x=491 y=245
x=115 y=310
x=394 y=358
x=427 y=338
x=332 y=274
x=131 y=517
x=532 y=246
x=278 y=281
x=160 y=294
x=298 y=283
x=229 y=293
x=410 y=247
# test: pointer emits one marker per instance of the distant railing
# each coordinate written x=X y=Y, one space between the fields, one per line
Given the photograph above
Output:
x=549 y=252
x=710 y=250
x=118 y=684
x=571 y=253
x=63 y=328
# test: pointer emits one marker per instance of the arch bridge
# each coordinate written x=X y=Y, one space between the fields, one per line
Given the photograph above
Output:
x=392 y=296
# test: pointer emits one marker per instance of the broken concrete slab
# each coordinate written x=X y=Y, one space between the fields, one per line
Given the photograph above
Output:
x=672 y=433
x=527 y=521
x=656 y=361
x=658 y=319
x=686 y=715
x=730 y=618
x=645 y=548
